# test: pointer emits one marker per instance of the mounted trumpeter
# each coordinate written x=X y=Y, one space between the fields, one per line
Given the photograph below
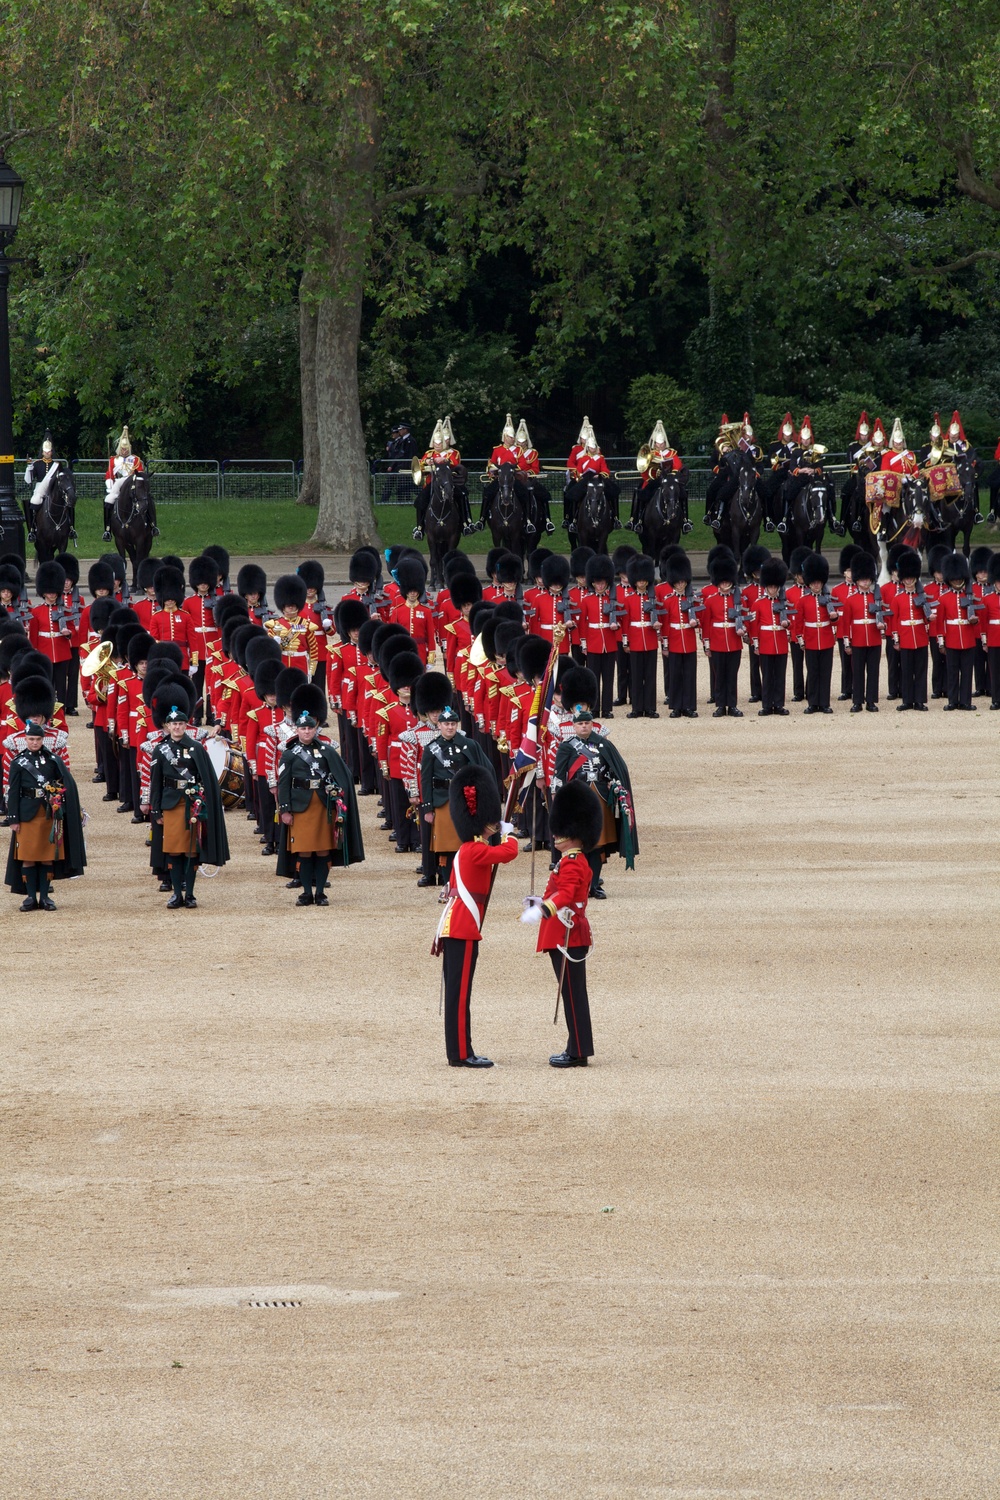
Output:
x=803 y=523
x=129 y=510
x=50 y=508
x=506 y=502
x=656 y=461
x=441 y=455
x=530 y=466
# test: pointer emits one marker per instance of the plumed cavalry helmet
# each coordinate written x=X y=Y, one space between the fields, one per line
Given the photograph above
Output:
x=508 y=435
x=658 y=436
x=786 y=428
x=747 y=427
x=437 y=436
x=446 y=429
x=47 y=450
x=585 y=434
x=124 y=448
x=576 y=814
x=474 y=801
x=816 y=569
x=935 y=432
x=289 y=589
x=522 y=437
x=955 y=429
x=878 y=433
x=861 y=432
x=806 y=431
x=897 y=440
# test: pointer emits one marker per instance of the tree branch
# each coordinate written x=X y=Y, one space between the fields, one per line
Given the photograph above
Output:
x=969 y=181
x=955 y=265
x=434 y=190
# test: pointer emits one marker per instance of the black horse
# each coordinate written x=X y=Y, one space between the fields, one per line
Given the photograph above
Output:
x=53 y=519
x=662 y=517
x=742 y=516
x=594 y=518
x=505 y=513
x=133 y=521
x=961 y=513
x=442 y=520
x=807 y=517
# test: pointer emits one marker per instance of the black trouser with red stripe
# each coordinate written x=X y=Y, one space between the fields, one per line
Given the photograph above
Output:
x=460 y=955
x=130 y=784
x=866 y=662
x=797 y=655
x=727 y=674
x=602 y=664
x=913 y=676
x=576 y=1002
x=958 y=663
x=819 y=673
x=683 y=682
x=642 y=665
x=267 y=807
x=772 y=682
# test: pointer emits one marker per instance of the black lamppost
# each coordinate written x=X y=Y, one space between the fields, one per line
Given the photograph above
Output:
x=11 y=519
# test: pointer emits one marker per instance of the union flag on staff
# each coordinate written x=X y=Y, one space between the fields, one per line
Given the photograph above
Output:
x=528 y=751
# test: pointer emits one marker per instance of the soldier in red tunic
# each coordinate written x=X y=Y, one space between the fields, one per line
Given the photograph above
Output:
x=864 y=618
x=50 y=631
x=564 y=931
x=474 y=803
x=171 y=623
x=911 y=611
x=723 y=631
x=815 y=628
x=957 y=631
x=600 y=628
x=414 y=613
x=769 y=630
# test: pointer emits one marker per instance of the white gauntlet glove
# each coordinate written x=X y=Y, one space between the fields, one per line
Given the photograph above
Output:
x=533 y=910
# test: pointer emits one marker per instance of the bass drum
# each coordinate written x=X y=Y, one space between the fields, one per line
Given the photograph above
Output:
x=229 y=768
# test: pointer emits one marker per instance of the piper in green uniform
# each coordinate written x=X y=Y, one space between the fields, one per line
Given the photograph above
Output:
x=47 y=838
x=447 y=754
x=317 y=805
x=188 y=821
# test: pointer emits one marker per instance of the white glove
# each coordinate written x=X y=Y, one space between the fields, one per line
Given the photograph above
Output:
x=192 y=671
x=533 y=910
x=506 y=829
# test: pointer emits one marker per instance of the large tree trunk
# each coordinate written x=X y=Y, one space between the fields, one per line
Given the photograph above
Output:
x=309 y=493
x=346 y=518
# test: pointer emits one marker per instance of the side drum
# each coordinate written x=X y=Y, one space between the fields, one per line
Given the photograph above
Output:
x=229 y=768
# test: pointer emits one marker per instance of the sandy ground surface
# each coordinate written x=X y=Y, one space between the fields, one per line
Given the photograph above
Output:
x=752 y=1251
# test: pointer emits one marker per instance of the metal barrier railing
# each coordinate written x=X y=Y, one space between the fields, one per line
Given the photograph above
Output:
x=182 y=481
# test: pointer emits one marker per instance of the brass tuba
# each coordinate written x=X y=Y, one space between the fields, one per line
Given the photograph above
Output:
x=97 y=663
x=644 y=458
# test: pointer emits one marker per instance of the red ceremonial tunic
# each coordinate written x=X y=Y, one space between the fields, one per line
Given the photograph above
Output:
x=48 y=636
x=955 y=623
x=599 y=626
x=718 y=631
x=471 y=879
x=767 y=632
x=175 y=625
x=568 y=885
x=815 y=628
x=862 y=623
x=908 y=624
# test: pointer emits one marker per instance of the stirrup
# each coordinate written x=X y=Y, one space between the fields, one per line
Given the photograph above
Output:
x=630 y=524
x=550 y=527
x=991 y=518
x=571 y=528
x=979 y=519
x=73 y=534
x=418 y=534
x=32 y=536
x=155 y=531
x=782 y=528
x=106 y=535
x=529 y=530
x=855 y=527
x=768 y=525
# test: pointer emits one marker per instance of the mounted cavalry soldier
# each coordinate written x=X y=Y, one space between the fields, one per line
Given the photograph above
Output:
x=804 y=467
x=505 y=452
x=661 y=459
x=782 y=455
x=530 y=466
x=443 y=451
x=737 y=448
x=582 y=462
x=38 y=476
x=121 y=466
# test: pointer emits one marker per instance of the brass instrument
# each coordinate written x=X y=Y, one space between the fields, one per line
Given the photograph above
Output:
x=644 y=458
x=97 y=663
x=417 y=470
x=816 y=451
x=728 y=437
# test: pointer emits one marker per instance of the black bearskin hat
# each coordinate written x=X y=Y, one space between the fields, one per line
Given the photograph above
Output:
x=50 y=579
x=261 y=648
x=411 y=575
x=35 y=698
x=116 y=564
x=620 y=557
x=535 y=560
x=753 y=558
x=555 y=571
x=11 y=578
x=309 y=698
x=434 y=692
x=507 y=632
x=578 y=560
x=493 y=556
x=384 y=631
x=474 y=801
x=124 y=636
x=600 y=567
x=488 y=636
x=169 y=584
x=979 y=559
x=30 y=663
x=863 y=567
x=122 y=614
x=994 y=569
x=457 y=562
x=533 y=657
x=847 y=556
x=100 y=576
x=640 y=570
x=10 y=646
x=13 y=560
x=816 y=569
x=909 y=565
x=265 y=679
x=169 y=560
x=576 y=814
x=724 y=570
x=509 y=568
x=376 y=555
x=478 y=615
x=893 y=555
x=220 y=557
x=578 y=685
x=956 y=568
x=350 y=614
x=367 y=634
x=772 y=573
x=678 y=569
x=172 y=692
x=287 y=682
x=312 y=575
x=937 y=557
x=70 y=565
x=240 y=639
x=719 y=550
x=404 y=670
x=798 y=557
x=465 y=589
x=230 y=625
x=252 y=580
x=100 y=613
x=363 y=568
x=146 y=572
x=203 y=570
x=139 y=647
x=229 y=607
x=166 y=651
x=391 y=647
x=289 y=589
x=509 y=609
